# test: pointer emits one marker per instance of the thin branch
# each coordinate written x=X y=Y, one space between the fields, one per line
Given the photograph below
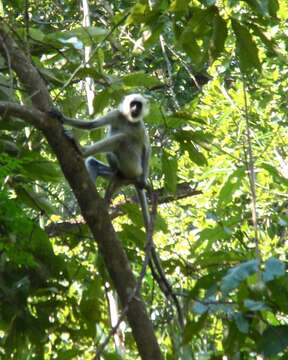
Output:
x=8 y=60
x=136 y=290
x=92 y=206
x=185 y=66
x=86 y=62
x=31 y=115
x=27 y=29
x=26 y=72
x=169 y=70
x=184 y=190
x=251 y=170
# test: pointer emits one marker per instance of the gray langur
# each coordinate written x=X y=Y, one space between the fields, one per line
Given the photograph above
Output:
x=126 y=145
x=127 y=148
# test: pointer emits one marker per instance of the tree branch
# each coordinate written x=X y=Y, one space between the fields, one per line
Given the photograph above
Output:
x=33 y=116
x=184 y=190
x=92 y=206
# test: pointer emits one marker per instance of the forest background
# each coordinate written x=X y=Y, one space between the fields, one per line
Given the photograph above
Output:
x=215 y=73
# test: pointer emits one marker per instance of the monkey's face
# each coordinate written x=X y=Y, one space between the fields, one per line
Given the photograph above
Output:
x=135 y=108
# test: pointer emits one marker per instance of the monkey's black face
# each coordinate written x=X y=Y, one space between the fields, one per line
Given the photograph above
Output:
x=136 y=108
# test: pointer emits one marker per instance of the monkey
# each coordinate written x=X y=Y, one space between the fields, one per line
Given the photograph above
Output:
x=127 y=143
x=128 y=151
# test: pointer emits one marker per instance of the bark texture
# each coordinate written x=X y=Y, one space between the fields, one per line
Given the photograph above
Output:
x=92 y=206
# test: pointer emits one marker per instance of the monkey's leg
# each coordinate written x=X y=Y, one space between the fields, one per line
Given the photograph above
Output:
x=97 y=168
x=155 y=262
x=113 y=185
x=144 y=206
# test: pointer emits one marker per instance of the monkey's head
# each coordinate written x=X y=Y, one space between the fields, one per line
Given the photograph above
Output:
x=134 y=107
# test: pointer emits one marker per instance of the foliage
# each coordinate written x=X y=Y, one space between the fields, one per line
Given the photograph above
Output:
x=218 y=92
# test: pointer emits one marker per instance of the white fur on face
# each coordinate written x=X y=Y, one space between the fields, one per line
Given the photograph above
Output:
x=124 y=107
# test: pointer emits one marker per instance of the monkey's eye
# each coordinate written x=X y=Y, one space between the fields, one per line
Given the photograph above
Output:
x=135 y=108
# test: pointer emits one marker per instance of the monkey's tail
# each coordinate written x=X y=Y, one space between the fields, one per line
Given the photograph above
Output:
x=155 y=263
x=164 y=284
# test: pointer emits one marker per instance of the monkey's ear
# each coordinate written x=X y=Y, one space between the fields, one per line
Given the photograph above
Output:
x=56 y=114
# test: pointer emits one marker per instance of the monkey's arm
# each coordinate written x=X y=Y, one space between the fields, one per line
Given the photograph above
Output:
x=86 y=125
x=145 y=157
x=145 y=161
x=104 y=146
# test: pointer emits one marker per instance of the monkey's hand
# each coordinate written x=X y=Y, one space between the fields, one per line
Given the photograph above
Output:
x=56 y=114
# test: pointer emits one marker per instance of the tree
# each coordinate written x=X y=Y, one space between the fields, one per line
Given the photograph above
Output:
x=216 y=75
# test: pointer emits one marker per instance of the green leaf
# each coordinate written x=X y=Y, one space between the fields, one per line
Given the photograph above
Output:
x=192 y=328
x=274 y=340
x=155 y=116
x=279 y=292
x=90 y=305
x=139 y=13
x=274 y=268
x=246 y=48
x=184 y=136
x=216 y=233
x=206 y=282
x=156 y=29
x=231 y=185
x=264 y=8
x=36 y=34
x=140 y=79
x=259 y=6
x=89 y=72
x=201 y=21
x=273 y=7
x=68 y=354
x=53 y=76
x=241 y=323
x=179 y=6
x=270 y=44
x=233 y=340
x=238 y=274
x=8 y=147
x=160 y=224
x=195 y=38
x=186 y=139
x=218 y=37
x=169 y=168
x=40 y=243
x=179 y=120
x=132 y=234
x=199 y=307
x=196 y=156
x=199 y=137
x=72 y=104
x=41 y=170
x=78 y=37
x=5 y=89
x=112 y=356
x=253 y=305
x=279 y=179
x=191 y=47
x=101 y=101
x=134 y=213
x=213 y=257
x=37 y=201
